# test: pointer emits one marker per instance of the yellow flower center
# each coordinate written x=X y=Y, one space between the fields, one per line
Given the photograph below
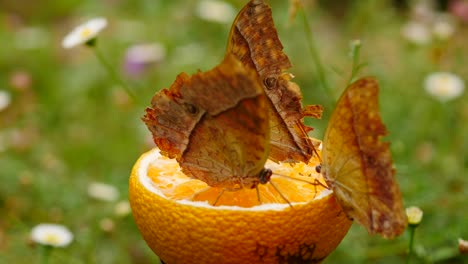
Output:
x=85 y=33
x=445 y=86
x=52 y=239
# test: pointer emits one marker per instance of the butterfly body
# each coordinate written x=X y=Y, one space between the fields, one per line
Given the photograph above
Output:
x=358 y=166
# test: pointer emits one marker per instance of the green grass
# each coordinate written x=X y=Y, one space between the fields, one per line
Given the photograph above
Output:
x=67 y=130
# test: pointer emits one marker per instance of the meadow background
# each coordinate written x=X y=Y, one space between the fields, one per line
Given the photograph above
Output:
x=68 y=124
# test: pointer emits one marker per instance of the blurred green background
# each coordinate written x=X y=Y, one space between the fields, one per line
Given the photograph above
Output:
x=68 y=124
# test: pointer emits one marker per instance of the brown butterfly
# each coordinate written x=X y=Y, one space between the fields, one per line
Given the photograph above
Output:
x=358 y=166
x=254 y=41
x=215 y=124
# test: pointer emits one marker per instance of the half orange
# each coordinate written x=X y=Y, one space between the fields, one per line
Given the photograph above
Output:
x=177 y=218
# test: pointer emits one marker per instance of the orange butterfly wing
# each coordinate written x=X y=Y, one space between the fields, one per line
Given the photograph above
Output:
x=215 y=124
x=358 y=166
x=254 y=41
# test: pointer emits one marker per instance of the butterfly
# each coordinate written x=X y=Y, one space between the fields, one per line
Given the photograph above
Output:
x=254 y=40
x=215 y=124
x=357 y=165
x=223 y=124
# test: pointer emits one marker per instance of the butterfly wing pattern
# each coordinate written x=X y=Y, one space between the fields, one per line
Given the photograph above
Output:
x=215 y=124
x=254 y=41
x=358 y=166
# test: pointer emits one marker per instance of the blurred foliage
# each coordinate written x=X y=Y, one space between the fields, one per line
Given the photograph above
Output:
x=69 y=124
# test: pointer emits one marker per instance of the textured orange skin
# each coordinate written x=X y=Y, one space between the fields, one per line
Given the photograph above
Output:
x=180 y=233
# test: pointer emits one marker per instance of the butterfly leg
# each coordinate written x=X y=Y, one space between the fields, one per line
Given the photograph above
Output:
x=316 y=183
x=219 y=196
x=258 y=194
x=280 y=193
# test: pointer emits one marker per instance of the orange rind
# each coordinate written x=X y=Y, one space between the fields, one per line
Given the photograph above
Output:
x=180 y=228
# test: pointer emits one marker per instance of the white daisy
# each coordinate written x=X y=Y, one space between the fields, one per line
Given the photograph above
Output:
x=215 y=11
x=122 y=208
x=51 y=235
x=444 y=86
x=414 y=215
x=5 y=100
x=103 y=192
x=443 y=27
x=84 y=32
x=416 y=33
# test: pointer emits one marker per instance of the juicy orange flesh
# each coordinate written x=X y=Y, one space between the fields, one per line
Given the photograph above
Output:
x=297 y=183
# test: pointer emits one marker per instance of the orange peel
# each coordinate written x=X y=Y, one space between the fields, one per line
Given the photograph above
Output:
x=180 y=230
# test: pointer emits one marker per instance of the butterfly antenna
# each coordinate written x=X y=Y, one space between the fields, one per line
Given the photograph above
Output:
x=219 y=196
x=308 y=140
x=281 y=194
x=314 y=149
x=315 y=183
